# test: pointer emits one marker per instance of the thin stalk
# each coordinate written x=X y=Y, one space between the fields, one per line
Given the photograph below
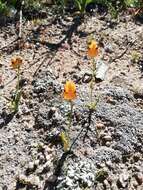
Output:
x=18 y=93
x=70 y=121
x=91 y=90
x=18 y=79
x=94 y=68
x=70 y=116
x=92 y=80
x=70 y=124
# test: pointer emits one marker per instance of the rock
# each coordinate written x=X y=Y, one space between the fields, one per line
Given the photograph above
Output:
x=123 y=180
x=136 y=168
x=99 y=186
x=22 y=179
x=108 y=49
x=40 y=145
x=44 y=168
x=33 y=180
x=106 y=184
x=111 y=100
x=31 y=166
x=2 y=122
x=136 y=156
x=47 y=2
x=41 y=158
x=51 y=112
x=36 y=162
x=114 y=186
x=69 y=182
x=48 y=157
x=139 y=178
x=133 y=183
x=108 y=144
x=69 y=19
x=87 y=78
x=52 y=179
x=77 y=78
x=71 y=173
x=100 y=126
x=109 y=164
x=107 y=138
x=101 y=69
x=102 y=134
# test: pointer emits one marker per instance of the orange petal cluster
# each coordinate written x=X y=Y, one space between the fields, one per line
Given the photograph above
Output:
x=69 y=91
x=16 y=62
x=93 y=49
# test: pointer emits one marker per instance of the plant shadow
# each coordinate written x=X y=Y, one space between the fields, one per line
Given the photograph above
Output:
x=6 y=119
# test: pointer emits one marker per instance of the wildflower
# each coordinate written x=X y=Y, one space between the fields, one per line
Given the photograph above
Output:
x=69 y=94
x=93 y=49
x=69 y=91
x=16 y=62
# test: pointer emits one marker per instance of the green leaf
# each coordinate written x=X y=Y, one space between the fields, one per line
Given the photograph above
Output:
x=89 y=1
x=78 y=4
x=15 y=102
x=65 y=141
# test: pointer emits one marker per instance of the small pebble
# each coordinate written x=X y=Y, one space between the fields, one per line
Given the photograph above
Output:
x=31 y=165
x=114 y=186
x=36 y=162
x=111 y=100
x=52 y=179
x=136 y=156
x=139 y=178
x=123 y=180
x=107 y=138
x=108 y=144
x=41 y=158
x=108 y=49
x=106 y=184
x=134 y=183
x=87 y=78
x=109 y=164
x=22 y=178
x=34 y=180
x=100 y=126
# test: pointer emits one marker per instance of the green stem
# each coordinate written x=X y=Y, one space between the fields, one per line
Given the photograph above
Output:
x=70 y=116
x=92 y=80
x=18 y=79
x=91 y=89
x=70 y=122
x=18 y=93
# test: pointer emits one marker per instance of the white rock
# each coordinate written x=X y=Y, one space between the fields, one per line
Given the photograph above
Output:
x=31 y=165
x=69 y=182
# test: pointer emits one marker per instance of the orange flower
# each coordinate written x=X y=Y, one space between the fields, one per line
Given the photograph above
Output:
x=69 y=91
x=16 y=62
x=93 y=49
